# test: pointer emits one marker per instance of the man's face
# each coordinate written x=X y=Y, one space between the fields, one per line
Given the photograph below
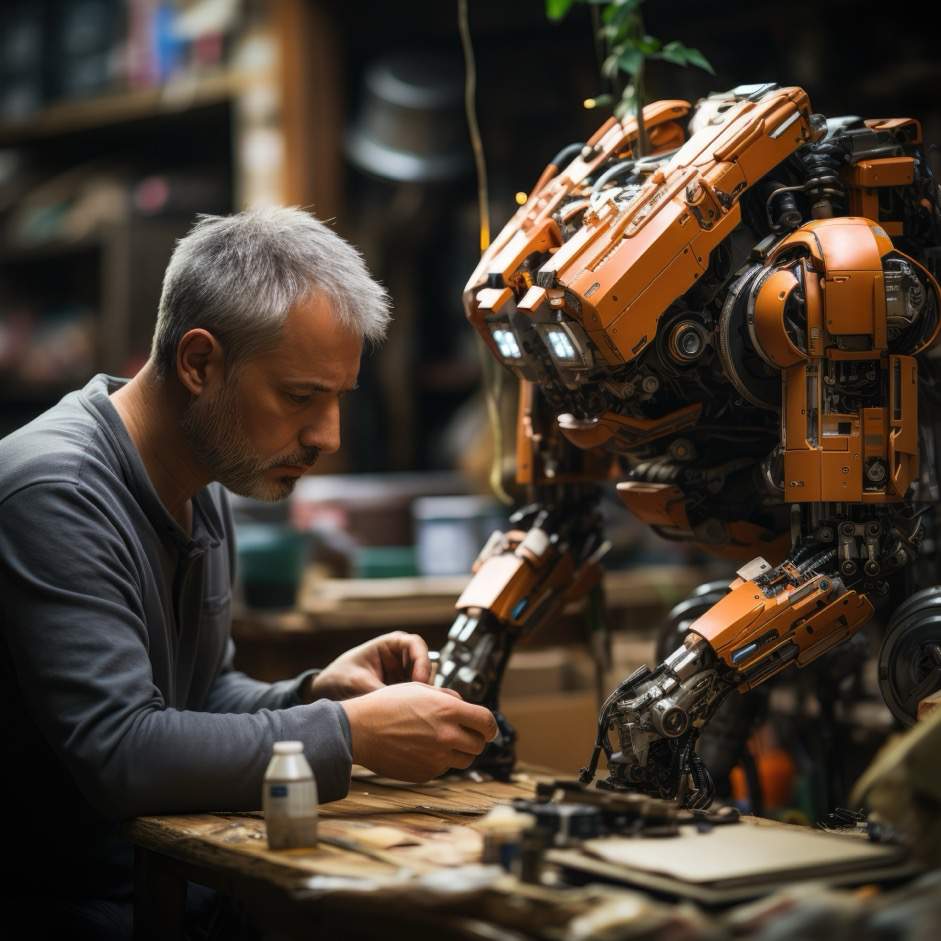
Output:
x=258 y=432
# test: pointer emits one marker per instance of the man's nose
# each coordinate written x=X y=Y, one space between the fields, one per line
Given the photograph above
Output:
x=323 y=432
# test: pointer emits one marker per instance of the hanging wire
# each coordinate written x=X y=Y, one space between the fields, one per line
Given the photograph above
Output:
x=470 y=111
x=492 y=372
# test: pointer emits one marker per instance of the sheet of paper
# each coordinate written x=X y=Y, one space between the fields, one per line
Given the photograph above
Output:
x=740 y=851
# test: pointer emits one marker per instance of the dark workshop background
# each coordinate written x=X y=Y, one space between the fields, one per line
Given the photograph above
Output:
x=121 y=119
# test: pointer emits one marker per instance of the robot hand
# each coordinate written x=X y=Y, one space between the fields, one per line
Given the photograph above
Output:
x=659 y=716
x=770 y=618
x=522 y=578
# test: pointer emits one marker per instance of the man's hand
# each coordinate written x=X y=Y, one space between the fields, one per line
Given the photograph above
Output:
x=414 y=732
x=397 y=657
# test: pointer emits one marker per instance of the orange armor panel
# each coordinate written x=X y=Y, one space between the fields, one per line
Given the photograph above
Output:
x=757 y=635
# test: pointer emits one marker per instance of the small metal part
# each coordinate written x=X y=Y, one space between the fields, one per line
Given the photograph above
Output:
x=669 y=719
x=753 y=569
x=876 y=471
x=567 y=822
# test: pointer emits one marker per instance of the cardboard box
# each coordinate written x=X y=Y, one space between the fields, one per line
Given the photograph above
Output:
x=540 y=672
x=555 y=731
x=548 y=696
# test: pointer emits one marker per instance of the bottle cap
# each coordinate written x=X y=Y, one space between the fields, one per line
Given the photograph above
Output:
x=288 y=747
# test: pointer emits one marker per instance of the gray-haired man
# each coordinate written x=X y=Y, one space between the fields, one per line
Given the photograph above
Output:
x=117 y=560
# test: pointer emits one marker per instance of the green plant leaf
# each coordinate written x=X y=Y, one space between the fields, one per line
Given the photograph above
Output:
x=630 y=60
x=619 y=13
x=674 y=52
x=558 y=9
x=649 y=45
x=695 y=57
x=627 y=104
x=610 y=67
x=679 y=54
x=628 y=46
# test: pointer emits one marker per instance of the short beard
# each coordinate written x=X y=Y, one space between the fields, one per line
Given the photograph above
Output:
x=213 y=428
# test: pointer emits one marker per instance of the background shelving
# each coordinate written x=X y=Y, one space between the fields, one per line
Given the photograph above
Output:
x=253 y=101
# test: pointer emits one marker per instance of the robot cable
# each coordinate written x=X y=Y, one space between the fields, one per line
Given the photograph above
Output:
x=470 y=91
x=491 y=371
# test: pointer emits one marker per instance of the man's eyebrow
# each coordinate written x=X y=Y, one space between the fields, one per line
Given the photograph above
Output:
x=320 y=387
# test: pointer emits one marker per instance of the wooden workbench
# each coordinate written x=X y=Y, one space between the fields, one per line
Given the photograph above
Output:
x=404 y=861
x=384 y=831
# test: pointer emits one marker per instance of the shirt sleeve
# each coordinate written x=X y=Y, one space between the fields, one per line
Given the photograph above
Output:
x=234 y=691
x=79 y=642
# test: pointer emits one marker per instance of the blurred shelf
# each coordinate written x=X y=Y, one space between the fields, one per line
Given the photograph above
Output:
x=112 y=275
x=333 y=615
x=49 y=248
x=387 y=603
x=76 y=115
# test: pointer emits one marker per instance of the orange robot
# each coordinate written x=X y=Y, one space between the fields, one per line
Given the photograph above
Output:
x=737 y=327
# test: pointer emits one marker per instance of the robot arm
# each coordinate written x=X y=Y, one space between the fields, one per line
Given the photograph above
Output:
x=522 y=579
x=770 y=618
x=549 y=558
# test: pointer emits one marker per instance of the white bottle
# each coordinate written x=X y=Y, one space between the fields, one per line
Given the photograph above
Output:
x=289 y=798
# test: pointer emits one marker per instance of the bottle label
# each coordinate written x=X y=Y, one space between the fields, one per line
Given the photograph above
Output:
x=291 y=799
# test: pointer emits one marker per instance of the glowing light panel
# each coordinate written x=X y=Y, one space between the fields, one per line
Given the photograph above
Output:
x=562 y=347
x=506 y=343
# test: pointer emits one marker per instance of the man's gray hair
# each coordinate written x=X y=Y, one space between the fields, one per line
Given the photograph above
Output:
x=238 y=276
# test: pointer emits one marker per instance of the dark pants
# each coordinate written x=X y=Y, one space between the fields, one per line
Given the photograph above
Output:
x=209 y=917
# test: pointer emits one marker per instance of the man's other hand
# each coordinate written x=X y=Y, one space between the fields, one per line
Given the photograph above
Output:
x=396 y=657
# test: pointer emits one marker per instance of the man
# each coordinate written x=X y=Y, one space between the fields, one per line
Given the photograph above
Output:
x=117 y=558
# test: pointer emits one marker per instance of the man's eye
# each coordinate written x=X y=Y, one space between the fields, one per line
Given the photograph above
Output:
x=298 y=398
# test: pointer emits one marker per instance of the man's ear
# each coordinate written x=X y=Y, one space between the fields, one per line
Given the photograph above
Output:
x=199 y=360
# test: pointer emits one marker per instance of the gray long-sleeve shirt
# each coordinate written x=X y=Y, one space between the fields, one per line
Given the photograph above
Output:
x=117 y=688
